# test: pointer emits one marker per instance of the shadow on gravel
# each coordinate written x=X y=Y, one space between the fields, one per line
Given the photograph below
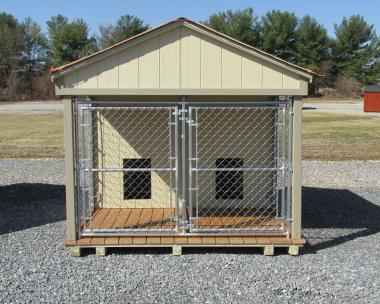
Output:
x=24 y=206
x=340 y=209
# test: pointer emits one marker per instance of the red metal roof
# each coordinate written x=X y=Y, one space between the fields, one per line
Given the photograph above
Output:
x=59 y=69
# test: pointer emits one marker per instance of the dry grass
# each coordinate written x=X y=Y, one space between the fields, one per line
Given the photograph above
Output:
x=332 y=100
x=326 y=136
x=33 y=134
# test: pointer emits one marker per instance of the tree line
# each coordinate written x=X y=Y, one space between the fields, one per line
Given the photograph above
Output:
x=348 y=60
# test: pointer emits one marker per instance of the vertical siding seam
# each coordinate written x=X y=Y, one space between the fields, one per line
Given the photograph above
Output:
x=241 y=71
x=138 y=66
x=282 y=80
x=159 y=62
x=221 y=66
x=97 y=75
x=118 y=70
x=180 y=57
x=200 y=62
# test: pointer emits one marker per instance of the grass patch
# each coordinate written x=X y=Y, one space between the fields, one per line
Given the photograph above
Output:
x=330 y=136
x=31 y=134
x=326 y=136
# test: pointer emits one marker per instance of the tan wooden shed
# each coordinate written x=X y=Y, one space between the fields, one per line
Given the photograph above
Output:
x=182 y=136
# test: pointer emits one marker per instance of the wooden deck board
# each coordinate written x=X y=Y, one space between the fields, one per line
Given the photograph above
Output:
x=264 y=240
x=98 y=218
x=153 y=240
x=139 y=240
x=195 y=240
x=125 y=240
x=133 y=218
x=185 y=240
x=249 y=240
x=208 y=240
x=145 y=217
x=122 y=218
x=110 y=218
x=222 y=240
x=98 y=240
x=166 y=221
x=111 y=241
x=180 y=240
x=237 y=240
x=156 y=218
x=167 y=240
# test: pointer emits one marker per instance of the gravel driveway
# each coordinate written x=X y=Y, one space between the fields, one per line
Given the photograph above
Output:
x=341 y=264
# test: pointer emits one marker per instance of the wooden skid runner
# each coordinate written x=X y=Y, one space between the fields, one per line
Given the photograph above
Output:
x=102 y=243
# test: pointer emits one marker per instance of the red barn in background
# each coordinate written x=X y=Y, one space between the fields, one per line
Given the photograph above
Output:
x=372 y=98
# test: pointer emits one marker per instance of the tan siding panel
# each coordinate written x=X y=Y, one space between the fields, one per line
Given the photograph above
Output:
x=290 y=82
x=129 y=68
x=170 y=59
x=252 y=74
x=272 y=77
x=149 y=62
x=108 y=72
x=231 y=69
x=88 y=77
x=190 y=59
x=182 y=58
x=211 y=68
x=71 y=80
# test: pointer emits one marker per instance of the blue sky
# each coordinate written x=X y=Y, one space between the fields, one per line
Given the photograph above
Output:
x=97 y=12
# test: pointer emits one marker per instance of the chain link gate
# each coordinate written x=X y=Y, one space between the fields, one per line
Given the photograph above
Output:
x=126 y=169
x=183 y=169
x=240 y=169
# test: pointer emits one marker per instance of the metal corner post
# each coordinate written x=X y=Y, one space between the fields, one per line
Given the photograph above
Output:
x=184 y=164
x=297 y=168
x=71 y=233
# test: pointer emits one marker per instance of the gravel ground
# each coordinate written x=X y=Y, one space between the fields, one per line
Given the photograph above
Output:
x=341 y=264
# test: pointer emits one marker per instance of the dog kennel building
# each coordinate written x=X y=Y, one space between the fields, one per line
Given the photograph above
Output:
x=182 y=136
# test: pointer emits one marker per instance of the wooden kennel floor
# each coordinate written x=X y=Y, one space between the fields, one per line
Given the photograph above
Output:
x=160 y=218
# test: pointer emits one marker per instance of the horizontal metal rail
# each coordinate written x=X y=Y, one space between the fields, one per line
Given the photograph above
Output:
x=99 y=230
x=217 y=107
x=129 y=233
x=127 y=108
x=237 y=169
x=130 y=170
x=175 y=102
x=238 y=229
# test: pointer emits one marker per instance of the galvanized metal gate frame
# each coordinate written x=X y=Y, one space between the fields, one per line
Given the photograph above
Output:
x=185 y=129
x=85 y=169
x=283 y=167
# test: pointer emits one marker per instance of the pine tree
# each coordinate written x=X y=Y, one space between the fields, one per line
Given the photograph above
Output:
x=356 y=50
